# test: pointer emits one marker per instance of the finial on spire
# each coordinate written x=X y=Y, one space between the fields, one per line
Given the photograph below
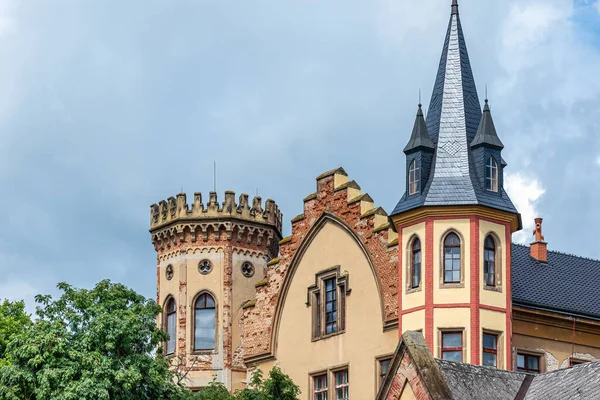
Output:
x=454 y=7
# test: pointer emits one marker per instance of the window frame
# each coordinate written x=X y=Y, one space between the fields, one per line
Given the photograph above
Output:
x=462 y=348
x=380 y=375
x=330 y=375
x=486 y=249
x=413 y=266
x=409 y=266
x=527 y=354
x=315 y=298
x=324 y=390
x=214 y=349
x=498 y=262
x=491 y=175
x=414 y=177
x=166 y=314
x=442 y=270
x=343 y=385
x=489 y=350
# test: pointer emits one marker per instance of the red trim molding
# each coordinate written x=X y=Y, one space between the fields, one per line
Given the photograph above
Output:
x=400 y=284
x=508 y=283
x=429 y=282
x=474 y=286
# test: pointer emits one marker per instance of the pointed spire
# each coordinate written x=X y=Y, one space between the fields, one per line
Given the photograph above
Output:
x=486 y=133
x=420 y=136
x=454 y=7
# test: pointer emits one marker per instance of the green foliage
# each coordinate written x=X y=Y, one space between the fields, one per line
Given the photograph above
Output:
x=13 y=320
x=90 y=344
x=278 y=386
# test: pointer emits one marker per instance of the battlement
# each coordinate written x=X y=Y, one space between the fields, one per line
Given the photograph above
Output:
x=176 y=209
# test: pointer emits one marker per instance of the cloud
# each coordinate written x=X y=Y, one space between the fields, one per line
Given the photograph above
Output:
x=525 y=192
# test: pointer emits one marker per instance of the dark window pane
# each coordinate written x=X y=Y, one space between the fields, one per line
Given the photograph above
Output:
x=453 y=339
x=489 y=341
x=489 y=360
x=533 y=363
x=452 y=356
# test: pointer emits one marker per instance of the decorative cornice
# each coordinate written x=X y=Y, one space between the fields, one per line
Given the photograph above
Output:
x=418 y=214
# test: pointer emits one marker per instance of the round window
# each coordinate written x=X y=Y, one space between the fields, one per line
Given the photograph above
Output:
x=248 y=269
x=169 y=272
x=205 y=267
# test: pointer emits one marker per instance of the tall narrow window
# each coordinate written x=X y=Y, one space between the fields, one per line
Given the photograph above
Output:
x=170 y=324
x=416 y=264
x=414 y=176
x=491 y=175
x=452 y=259
x=204 y=322
x=452 y=346
x=490 y=350
x=489 y=261
x=320 y=387
x=330 y=306
x=342 y=387
x=384 y=365
x=327 y=297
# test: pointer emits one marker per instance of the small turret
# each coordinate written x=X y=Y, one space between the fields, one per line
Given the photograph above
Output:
x=419 y=156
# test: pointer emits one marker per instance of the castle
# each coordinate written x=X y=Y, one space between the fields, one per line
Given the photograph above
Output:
x=329 y=304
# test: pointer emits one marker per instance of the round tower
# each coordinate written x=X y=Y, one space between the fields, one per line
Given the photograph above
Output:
x=209 y=259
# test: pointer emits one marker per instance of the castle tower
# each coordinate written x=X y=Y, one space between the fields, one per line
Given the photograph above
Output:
x=455 y=221
x=210 y=257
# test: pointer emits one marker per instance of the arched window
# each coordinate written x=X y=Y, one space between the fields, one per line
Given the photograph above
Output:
x=170 y=322
x=491 y=175
x=489 y=261
x=204 y=322
x=414 y=176
x=452 y=258
x=416 y=264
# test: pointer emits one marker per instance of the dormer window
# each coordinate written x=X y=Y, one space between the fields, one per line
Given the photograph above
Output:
x=491 y=175
x=414 y=176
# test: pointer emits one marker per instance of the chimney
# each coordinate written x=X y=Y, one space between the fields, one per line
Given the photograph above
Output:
x=539 y=248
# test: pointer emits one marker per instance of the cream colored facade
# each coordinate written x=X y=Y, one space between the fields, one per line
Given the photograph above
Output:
x=364 y=339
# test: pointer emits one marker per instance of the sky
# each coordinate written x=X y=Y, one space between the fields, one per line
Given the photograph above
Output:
x=109 y=106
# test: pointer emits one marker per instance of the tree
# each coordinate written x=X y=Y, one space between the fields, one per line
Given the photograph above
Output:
x=90 y=344
x=278 y=386
x=13 y=320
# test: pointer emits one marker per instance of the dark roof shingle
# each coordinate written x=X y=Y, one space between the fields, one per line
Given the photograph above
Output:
x=565 y=283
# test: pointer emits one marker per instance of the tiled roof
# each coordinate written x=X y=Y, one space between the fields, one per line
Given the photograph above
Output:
x=471 y=382
x=579 y=382
x=565 y=283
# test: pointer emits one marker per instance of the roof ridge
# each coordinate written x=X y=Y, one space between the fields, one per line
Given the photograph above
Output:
x=479 y=368
x=580 y=366
x=564 y=253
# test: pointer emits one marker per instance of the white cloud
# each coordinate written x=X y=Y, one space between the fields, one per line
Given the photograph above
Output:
x=524 y=191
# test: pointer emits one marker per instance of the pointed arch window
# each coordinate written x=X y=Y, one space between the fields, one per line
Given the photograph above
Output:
x=170 y=324
x=416 y=264
x=489 y=261
x=491 y=175
x=414 y=176
x=204 y=322
x=452 y=258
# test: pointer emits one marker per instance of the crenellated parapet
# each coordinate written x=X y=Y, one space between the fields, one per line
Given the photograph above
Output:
x=173 y=221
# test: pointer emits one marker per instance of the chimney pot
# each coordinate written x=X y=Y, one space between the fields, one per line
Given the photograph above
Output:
x=539 y=248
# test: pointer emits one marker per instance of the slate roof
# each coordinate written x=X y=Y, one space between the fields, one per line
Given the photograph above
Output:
x=566 y=283
x=486 y=133
x=419 y=137
x=579 y=382
x=452 y=121
x=471 y=382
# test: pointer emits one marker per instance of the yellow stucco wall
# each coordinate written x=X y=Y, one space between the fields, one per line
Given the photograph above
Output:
x=440 y=229
x=364 y=338
x=407 y=392
x=445 y=318
x=489 y=297
x=415 y=298
x=414 y=321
